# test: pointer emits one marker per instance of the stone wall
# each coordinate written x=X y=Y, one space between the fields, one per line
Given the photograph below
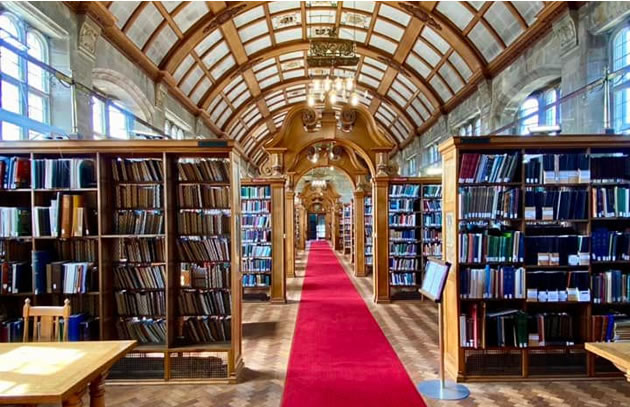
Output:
x=575 y=52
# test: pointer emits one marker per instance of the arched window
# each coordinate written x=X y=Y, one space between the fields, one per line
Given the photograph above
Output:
x=24 y=85
x=109 y=119
x=541 y=108
x=173 y=130
x=621 y=84
x=471 y=127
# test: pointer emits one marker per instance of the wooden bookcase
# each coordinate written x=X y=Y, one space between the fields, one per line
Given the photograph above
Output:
x=175 y=354
x=346 y=227
x=275 y=288
x=369 y=241
x=406 y=239
x=533 y=360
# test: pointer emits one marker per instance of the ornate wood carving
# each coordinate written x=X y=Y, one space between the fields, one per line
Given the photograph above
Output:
x=347 y=118
x=309 y=118
x=223 y=17
x=421 y=15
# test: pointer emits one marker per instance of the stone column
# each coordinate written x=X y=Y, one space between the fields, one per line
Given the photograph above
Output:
x=82 y=66
x=278 y=278
x=359 y=232
x=159 y=114
x=381 y=236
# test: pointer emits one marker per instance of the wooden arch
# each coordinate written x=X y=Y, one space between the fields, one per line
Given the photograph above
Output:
x=362 y=149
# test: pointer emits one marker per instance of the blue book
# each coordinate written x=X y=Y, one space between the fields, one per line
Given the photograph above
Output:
x=40 y=258
x=74 y=326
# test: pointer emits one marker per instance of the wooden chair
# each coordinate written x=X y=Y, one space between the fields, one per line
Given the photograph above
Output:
x=46 y=322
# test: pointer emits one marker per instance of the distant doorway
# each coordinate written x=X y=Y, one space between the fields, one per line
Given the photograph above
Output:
x=316 y=226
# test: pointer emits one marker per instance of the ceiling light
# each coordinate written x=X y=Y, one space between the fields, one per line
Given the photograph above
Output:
x=311 y=100
x=349 y=83
x=327 y=84
x=333 y=97
x=354 y=99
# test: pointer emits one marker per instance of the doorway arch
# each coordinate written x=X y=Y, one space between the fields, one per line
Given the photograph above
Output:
x=349 y=138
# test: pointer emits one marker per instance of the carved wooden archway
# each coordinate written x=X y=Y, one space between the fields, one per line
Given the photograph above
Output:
x=359 y=148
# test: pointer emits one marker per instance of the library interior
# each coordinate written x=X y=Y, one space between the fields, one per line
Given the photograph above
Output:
x=314 y=203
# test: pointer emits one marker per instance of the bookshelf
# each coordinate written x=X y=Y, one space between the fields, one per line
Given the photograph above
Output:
x=263 y=240
x=346 y=227
x=369 y=258
x=142 y=237
x=406 y=229
x=533 y=243
x=338 y=226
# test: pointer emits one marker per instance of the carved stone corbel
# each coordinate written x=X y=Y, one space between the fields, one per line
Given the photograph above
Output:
x=565 y=31
x=89 y=32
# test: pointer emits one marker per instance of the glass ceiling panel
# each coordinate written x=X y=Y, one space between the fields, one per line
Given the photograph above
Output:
x=222 y=67
x=277 y=6
x=201 y=90
x=321 y=16
x=143 y=27
x=209 y=41
x=352 y=34
x=484 y=41
x=122 y=11
x=427 y=53
x=435 y=39
x=456 y=12
x=503 y=22
x=216 y=55
x=393 y=14
x=367 y=6
x=460 y=65
x=250 y=15
x=241 y=99
x=190 y=14
x=418 y=65
x=257 y=45
x=288 y=35
x=162 y=44
x=386 y=28
x=291 y=55
x=253 y=30
x=528 y=9
x=383 y=43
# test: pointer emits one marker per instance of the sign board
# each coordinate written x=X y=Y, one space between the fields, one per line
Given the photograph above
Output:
x=435 y=274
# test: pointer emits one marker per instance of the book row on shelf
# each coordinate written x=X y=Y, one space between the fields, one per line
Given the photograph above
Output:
x=256 y=265
x=155 y=227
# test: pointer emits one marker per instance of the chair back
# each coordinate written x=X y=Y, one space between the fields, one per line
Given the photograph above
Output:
x=46 y=322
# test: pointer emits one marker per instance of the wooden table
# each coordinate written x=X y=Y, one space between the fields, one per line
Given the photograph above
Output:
x=57 y=372
x=616 y=352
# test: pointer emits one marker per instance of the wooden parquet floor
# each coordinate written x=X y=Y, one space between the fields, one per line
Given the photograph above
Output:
x=411 y=329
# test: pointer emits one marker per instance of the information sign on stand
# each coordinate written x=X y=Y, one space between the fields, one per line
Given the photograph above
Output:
x=435 y=275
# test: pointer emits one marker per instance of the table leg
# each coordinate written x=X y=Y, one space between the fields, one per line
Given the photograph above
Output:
x=74 y=400
x=97 y=391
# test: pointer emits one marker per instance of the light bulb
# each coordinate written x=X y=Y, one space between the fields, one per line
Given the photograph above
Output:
x=327 y=84
x=322 y=96
x=316 y=85
x=354 y=99
x=338 y=85
x=333 y=97
x=349 y=83
x=311 y=100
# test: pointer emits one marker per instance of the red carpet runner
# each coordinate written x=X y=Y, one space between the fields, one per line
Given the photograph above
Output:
x=340 y=356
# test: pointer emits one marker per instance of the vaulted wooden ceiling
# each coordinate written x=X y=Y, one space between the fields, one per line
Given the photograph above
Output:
x=241 y=65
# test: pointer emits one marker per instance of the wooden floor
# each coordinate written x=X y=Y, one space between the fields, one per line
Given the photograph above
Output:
x=411 y=329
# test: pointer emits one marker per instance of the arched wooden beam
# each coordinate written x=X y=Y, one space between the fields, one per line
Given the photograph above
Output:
x=298 y=81
x=300 y=45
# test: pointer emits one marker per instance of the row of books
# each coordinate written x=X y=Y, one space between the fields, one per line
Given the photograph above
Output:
x=256 y=280
x=400 y=264
x=514 y=328
x=203 y=170
x=256 y=221
x=139 y=250
x=263 y=192
x=432 y=220
x=252 y=265
x=15 y=222
x=137 y=170
x=402 y=220
x=611 y=202
x=564 y=250
x=139 y=222
x=215 y=302
x=205 y=275
x=402 y=279
x=203 y=250
x=15 y=278
x=138 y=196
x=12 y=330
x=203 y=196
x=431 y=234
x=610 y=168
x=432 y=205
x=143 y=330
x=403 y=249
x=612 y=286
x=139 y=277
x=432 y=191
x=203 y=222
x=67 y=216
x=402 y=205
x=610 y=327
x=491 y=168
x=484 y=247
x=72 y=173
x=610 y=245
x=557 y=168
x=140 y=303
x=492 y=283
x=205 y=329
x=77 y=250
x=81 y=327
x=254 y=250
x=256 y=206
x=555 y=204
x=489 y=202
x=15 y=172
x=256 y=235
x=432 y=249
x=404 y=191
x=395 y=235
x=75 y=278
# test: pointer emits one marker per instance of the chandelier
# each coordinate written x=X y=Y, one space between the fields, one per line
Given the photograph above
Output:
x=332 y=89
